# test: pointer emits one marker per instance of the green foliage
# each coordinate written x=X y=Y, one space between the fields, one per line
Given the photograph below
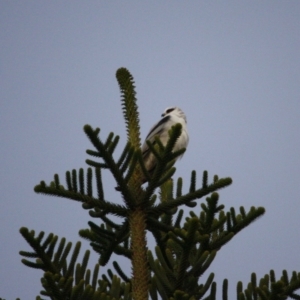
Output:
x=270 y=288
x=130 y=109
x=185 y=248
x=64 y=278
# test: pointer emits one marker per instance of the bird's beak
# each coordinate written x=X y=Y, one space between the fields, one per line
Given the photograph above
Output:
x=162 y=115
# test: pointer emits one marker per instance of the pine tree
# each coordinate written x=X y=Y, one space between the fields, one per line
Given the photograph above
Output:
x=184 y=249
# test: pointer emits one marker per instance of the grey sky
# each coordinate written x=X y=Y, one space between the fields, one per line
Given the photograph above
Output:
x=232 y=66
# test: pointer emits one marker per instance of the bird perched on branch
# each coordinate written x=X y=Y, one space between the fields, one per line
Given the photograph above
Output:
x=170 y=117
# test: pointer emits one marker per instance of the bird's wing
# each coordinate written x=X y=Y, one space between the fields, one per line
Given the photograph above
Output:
x=157 y=129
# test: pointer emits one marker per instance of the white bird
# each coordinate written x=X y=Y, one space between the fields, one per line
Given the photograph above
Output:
x=170 y=117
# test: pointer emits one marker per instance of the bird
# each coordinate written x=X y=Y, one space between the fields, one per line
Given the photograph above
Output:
x=170 y=117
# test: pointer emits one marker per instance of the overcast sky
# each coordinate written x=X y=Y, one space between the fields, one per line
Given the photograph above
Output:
x=232 y=66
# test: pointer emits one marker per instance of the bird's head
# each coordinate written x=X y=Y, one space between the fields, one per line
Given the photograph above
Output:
x=175 y=111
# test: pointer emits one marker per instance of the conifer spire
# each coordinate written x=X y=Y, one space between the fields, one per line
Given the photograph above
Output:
x=185 y=248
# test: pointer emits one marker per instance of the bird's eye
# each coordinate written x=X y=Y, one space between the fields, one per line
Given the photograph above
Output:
x=169 y=110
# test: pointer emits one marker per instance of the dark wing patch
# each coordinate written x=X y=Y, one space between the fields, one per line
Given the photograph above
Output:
x=162 y=121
